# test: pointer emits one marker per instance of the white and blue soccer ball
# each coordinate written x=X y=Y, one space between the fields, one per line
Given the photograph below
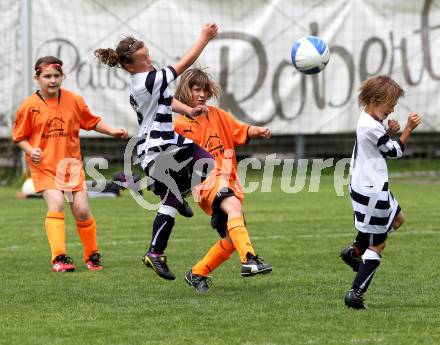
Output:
x=310 y=54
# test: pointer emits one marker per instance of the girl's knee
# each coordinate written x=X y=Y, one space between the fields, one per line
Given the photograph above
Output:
x=378 y=248
x=55 y=206
x=83 y=216
x=232 y=207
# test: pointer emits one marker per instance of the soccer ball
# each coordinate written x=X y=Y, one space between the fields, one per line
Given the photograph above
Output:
x=310 y=55
x=28 y=187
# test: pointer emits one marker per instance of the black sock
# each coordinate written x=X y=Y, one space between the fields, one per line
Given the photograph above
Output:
x=363 y=278
x=162 y=226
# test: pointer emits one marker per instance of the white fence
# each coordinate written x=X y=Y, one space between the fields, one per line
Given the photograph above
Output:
x=250 y=58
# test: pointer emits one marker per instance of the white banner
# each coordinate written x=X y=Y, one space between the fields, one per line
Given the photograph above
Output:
x=250 y=57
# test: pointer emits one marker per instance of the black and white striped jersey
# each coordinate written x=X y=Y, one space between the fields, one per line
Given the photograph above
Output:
x=151 y=100
x=374 y=205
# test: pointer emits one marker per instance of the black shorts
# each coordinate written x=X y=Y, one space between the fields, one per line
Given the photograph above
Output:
x=364 y=239
x=182 y=177
x=219 y=219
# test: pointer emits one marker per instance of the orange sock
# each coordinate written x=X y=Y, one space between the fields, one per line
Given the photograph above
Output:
x=56 y=234
x=219 y=253
x=87 y=234
x=240 y=237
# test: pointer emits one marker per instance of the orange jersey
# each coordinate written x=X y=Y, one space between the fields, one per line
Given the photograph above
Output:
x=218 y=132
x=53 y=125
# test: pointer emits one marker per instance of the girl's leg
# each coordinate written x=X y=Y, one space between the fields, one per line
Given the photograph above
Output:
x=86 y=227
x=162 y=226
x=202 y=165
x=236 y=227
x=367 y=268
x=164 y=222
x=238 y=233
x=216 y=255
x=54 y=223
x=170 y=203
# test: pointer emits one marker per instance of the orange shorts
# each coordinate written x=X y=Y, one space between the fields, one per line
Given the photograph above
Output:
x=206 y=192
x=72 y=180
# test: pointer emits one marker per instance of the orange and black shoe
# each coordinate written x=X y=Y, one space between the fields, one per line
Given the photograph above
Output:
x=254 y=265
x=158 y=263
x=63 y=263
x=94 y=262
x=201 y=283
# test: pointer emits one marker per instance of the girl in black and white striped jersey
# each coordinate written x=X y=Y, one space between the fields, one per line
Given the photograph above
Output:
x=376 y=211
x=166 y=157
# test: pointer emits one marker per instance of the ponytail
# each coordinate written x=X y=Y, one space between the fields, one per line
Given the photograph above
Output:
x=107 y=56
x=122 y=55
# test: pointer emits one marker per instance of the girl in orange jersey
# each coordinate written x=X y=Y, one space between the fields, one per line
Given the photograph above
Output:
x=47 y=129
x=221 y=195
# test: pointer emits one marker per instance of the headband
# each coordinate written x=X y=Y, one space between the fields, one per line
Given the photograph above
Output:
x=57 y=66
x=132 y=43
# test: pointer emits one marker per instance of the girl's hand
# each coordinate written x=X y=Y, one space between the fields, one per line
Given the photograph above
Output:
x=36 y=155
x=393 y=127
x=264 y=132
x=121 y=133
x=413 y=121
x=209 y=31
x=198 y=110
x=259 y=132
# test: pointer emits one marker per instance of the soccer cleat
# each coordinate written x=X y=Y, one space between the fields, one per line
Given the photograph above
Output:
x=185 y=210
x=63 y=263
x=201 y=283
x=354 y=299
x=347 y=255
x=94 y=262
x=159 y=265
x=254 y=265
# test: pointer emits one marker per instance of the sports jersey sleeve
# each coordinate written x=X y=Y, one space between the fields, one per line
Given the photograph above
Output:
x=178 y=124
x=22 y=125
x=157 y=81
x=238 y=130
x=87 y=120
x=388 y=148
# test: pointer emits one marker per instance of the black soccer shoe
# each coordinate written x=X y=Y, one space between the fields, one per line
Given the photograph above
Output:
x=347 y=255
x=354 y=299
x=254 y=265
x=185 y=210
x=159 y=265
x=201 y=283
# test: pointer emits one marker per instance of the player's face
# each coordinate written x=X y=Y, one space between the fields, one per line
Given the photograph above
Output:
x=199 y=95
x=141 y=61
x=50 y=80
x=380 y=111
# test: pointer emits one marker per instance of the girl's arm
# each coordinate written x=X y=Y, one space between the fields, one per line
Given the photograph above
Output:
x=103 y=128
x=413 y=121
x=259 y=132
x=209 y=31
x=181 y=108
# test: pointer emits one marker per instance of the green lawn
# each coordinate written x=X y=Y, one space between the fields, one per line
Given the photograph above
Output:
x=301 y=302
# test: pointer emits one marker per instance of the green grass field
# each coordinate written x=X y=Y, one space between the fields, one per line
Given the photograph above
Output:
x=301 y=302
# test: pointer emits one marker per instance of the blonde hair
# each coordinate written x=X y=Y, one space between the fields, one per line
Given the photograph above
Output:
x=196 y=76
x=381 y=90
